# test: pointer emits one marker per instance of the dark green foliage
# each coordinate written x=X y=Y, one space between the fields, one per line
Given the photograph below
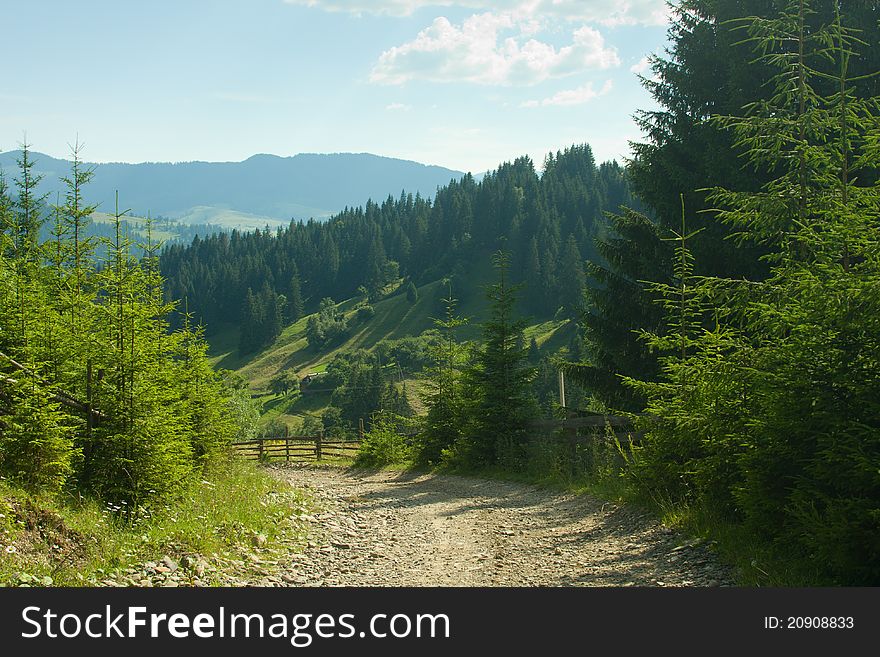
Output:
x=618 y=304
x=572 y=279
x=311 y=426
x=261 y=321
x=361 y=386
x=284 y=383
x=412 y=294
x=409 y=354
x=362 y=392
x=708 y=70
x=295 y=305
x=333 y=424
x=365 y=314
x=534 y=352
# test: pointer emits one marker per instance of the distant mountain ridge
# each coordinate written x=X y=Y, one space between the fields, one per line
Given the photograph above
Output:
x=263 y=186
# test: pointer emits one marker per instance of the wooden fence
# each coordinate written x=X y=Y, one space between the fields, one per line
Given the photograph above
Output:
x=584 y=446
x=297 y=448
x=574 y=431
x=569 y=429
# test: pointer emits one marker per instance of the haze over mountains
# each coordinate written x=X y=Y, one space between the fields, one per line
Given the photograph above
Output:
x=262 y=189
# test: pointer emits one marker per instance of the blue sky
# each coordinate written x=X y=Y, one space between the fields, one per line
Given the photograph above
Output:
x=465 y=84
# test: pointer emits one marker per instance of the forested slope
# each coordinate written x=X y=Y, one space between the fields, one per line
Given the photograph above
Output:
x=547 y=221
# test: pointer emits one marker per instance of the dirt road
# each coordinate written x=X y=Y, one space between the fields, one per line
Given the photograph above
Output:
x=403 y=529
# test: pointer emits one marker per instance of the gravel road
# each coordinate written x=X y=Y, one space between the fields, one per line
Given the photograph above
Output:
x=404 y=529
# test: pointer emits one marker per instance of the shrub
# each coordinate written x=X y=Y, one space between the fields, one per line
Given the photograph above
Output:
x=383 y=444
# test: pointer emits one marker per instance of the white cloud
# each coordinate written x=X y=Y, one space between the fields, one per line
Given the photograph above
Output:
x=476 y=52
x=640 y=66
x=398 y=107
x=605 y=12
x=569 y=97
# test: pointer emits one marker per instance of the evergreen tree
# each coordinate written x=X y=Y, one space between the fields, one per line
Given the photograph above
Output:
x=295 y=306
x=412 y=294
x=572 y=279
x=617 y=304
x=36 y=445
x=444 y=419
x=422 y=240
x=532 y=277
x=498 y=383
x=252 y=320
x=98 y=394
x=534 y=352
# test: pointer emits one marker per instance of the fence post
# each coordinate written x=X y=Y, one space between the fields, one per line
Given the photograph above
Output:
x=318 y=440
x=571 y=435
x=287 y=443
x=562 y=388
x=260 y=457
x=360 y=429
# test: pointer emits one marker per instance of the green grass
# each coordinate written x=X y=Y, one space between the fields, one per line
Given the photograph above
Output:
x=228 y=219
x=222 y=511
x=293 y=410
x=757 y=562
x=139 y=226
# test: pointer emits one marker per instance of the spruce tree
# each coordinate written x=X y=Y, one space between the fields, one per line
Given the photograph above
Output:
x=498 y=383
x=616 y=307
x=443 y=422
x=295 y=306
x=412 y=294
x=572 y=280
x=99 y=395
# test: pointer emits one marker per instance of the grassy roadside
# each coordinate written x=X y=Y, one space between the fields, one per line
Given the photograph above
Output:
x=233 y=506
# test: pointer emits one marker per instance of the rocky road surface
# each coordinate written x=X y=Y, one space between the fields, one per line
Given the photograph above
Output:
x=404 y=529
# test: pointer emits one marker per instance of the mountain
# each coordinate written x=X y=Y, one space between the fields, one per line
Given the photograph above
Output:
x=262 y=189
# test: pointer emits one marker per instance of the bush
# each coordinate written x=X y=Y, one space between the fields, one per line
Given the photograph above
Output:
x=150 y=461
x=326 y=328
x=383 y=445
